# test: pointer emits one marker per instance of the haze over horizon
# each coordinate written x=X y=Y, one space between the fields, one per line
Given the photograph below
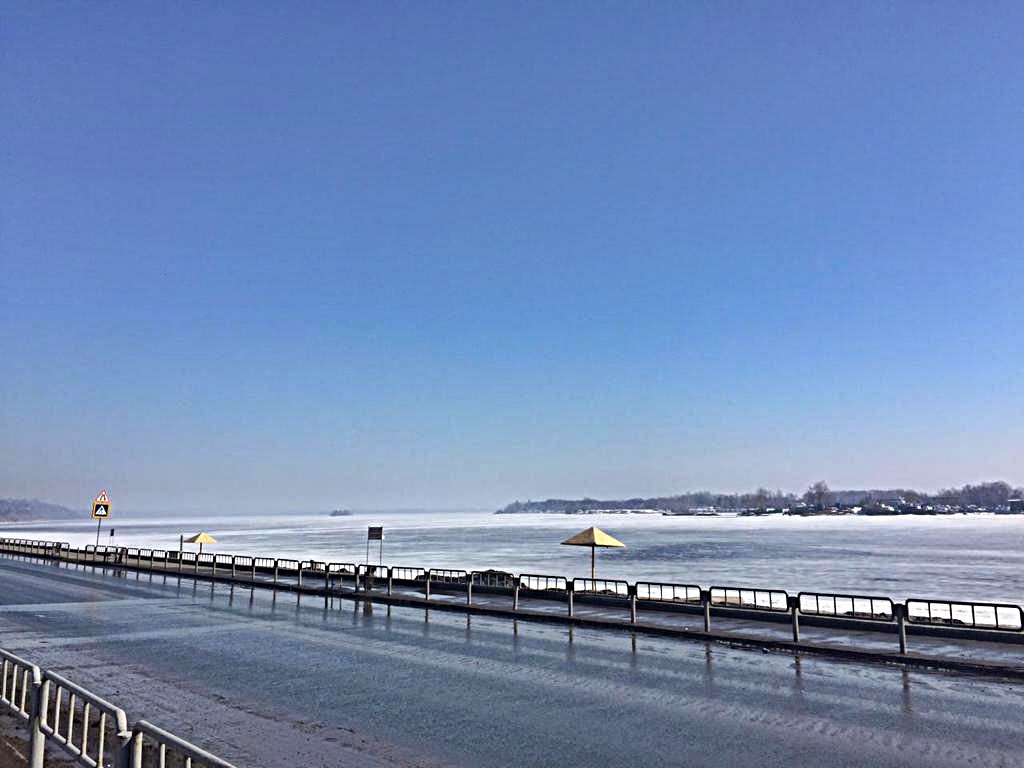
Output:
x=434 y=256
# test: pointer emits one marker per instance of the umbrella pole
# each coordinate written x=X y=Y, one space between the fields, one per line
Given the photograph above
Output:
x=593 y=552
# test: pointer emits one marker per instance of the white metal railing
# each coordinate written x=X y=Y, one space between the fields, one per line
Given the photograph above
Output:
x=88 y=728
x=84 y=725
x=18 y=678
x=167 y=743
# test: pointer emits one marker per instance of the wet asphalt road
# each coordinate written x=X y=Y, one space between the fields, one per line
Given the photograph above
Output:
x=271 y=680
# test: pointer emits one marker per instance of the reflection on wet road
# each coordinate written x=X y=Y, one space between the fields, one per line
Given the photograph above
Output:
x=275 y=680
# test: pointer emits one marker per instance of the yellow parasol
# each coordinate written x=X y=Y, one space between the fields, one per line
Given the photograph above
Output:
x=593 y=537
x=200 y=539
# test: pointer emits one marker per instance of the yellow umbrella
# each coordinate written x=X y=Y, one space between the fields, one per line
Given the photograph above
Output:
x=200 y=539
x=593 y=537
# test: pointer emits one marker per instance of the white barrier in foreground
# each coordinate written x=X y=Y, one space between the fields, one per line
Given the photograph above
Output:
x=94 y=732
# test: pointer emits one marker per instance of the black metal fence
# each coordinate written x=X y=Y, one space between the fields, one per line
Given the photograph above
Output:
x=989 y=621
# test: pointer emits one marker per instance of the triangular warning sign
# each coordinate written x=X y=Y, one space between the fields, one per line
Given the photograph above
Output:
x=102 y=498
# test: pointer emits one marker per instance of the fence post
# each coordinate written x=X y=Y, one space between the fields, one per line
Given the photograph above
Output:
x=275 y=572
x=327 y=577
x=568 y=591
x=300 y=574
x=129 y=751
x=705 y=599
x=254 y=569
x=900 y=609
x=632 y=603
x=428 y=585
x=469 y=589
x=122 y=750
x=136 y=743
x=515 y=594
x=37 y=742
x=215 y=566
x=389 y=580
x=794 y=609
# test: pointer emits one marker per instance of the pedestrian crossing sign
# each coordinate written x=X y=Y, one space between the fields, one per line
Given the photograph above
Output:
x=101 y=506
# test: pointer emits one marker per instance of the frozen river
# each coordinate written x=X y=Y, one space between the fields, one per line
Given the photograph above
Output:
x=977 y=558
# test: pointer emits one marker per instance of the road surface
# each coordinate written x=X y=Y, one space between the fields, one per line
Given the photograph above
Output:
x=275 y=680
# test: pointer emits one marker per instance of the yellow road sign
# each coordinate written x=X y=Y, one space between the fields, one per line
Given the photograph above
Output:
x=101 y=506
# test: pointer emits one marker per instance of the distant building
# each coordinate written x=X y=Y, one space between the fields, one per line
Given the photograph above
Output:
x=1016 y=505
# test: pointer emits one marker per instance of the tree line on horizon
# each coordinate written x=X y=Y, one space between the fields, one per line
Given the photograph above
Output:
x=988 y=495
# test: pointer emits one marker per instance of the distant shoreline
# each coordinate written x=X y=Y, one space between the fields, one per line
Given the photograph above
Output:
x=34 y=510
x=23 y=520
x=758 y=513
x=998 y=497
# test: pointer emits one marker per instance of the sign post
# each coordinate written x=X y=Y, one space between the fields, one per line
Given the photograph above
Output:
x=375 y=533
x=100 y=512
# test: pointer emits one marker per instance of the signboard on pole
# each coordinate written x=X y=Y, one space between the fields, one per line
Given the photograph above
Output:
x=101 y=506
x=375 y=533
x=100 y=512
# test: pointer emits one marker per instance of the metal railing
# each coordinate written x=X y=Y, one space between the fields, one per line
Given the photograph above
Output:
x=601 y=587
x=401 y=573
x=336 y=573
x=494 y=579
x=18 y=677
x=995 y=616
x=102 y=727
x=863 y=607
x=85 y=726
x=750 y=599
x=167 y=743
x=535 y=582
x=989 y=621
x=447 y=576
x=659 y=592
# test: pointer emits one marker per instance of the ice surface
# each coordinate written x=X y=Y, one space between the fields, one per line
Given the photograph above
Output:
x=979 y=558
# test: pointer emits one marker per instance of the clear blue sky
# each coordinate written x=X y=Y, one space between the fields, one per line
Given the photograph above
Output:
x=296 y=256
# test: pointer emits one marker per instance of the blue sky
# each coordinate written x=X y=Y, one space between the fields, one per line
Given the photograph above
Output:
x=298 y=256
